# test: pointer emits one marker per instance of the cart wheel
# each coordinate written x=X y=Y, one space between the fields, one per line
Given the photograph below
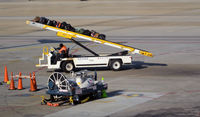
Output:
x=76 y=100
x=67 y=66
x=98 y=94
x=52 y=98
x=58 y=81
x=116 y=65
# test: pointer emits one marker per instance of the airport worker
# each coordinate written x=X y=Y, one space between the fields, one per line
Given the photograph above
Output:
x=63 y=49
x=62 y=52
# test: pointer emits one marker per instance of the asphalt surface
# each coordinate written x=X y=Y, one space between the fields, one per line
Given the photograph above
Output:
x=166 y=85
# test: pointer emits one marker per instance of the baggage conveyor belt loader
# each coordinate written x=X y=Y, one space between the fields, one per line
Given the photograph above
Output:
x=114 y=61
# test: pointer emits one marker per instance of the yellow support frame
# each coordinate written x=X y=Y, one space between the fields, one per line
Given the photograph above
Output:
x=69 y=35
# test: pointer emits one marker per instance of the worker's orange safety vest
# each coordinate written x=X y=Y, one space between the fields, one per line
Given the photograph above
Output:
x=63 y=48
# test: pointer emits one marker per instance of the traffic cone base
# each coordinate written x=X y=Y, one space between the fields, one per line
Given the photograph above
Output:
x=12 y=89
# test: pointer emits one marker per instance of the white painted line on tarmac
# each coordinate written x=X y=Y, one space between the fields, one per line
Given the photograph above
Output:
x=107 y=106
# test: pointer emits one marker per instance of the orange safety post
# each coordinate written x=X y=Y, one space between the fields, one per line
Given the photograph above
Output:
x=20 y=87
x=34 y=81
x=32 y=88
x=6 y=79
x=12 y=84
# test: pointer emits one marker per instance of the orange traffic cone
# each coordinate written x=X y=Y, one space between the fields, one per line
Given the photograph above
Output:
x=32 y=88
x=6 y=79
x=12 y=84
x=34 y=81
x=20 y=87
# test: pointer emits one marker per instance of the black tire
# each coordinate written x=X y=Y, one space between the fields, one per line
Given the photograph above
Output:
x=76 y=99
x=115 y=65
x=97 y=95
x=52 y=99
x=67 y=66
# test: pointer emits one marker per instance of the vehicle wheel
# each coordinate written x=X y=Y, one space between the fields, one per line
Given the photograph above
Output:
x=67 y=66
x=52 y=98
x=76 y=100
x=57 y=81
x=97 y=95
x=116 y=65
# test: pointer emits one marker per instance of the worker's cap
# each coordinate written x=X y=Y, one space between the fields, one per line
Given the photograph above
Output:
x=61 y=45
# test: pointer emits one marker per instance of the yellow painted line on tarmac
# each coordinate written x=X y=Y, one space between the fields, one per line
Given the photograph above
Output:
x=132 y=95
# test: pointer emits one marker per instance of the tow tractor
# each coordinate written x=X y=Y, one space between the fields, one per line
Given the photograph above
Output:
x=113 y=61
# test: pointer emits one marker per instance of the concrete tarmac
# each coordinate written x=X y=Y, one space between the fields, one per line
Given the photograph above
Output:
x=169 y=29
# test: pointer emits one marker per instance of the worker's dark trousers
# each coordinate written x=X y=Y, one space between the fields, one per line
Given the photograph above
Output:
x=57 y=58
